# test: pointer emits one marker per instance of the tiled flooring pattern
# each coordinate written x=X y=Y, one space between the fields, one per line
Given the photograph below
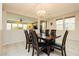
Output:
x=18 y=49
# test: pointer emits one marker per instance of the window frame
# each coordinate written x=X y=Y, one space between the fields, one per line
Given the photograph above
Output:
x=64 y=26
x=67 y=18
x=62 y=23
x=13 y=22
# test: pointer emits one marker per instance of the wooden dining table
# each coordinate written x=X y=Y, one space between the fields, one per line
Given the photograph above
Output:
x=47 y=40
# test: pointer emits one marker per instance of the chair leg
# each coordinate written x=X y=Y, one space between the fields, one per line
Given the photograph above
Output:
x=37 y=52
x=33 y=52
x=29 y=48
x=64 y=51
x=26 y=46
x=48 y=50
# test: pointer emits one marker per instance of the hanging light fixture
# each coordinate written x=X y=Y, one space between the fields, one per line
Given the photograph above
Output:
x=41 y=13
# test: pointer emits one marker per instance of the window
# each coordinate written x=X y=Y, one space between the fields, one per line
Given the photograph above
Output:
x=69 y=23
x=43 y=25
x=59 y=24
x=14 y=26
x=20 y=26
x=8 y=26
x=24 y=26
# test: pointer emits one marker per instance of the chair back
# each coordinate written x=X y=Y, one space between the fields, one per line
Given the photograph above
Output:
x=34 y=39
x=53 y=32
x=64 y=38
x=27 y=36
x=47 y=32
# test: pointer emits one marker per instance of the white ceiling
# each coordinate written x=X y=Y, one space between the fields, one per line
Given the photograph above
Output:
x=52 y=9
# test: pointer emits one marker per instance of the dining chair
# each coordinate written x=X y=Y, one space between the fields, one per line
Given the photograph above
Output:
x=38 y=46
x=63 y=45
x=47 y=32
x=53 y=33
x=28 y=40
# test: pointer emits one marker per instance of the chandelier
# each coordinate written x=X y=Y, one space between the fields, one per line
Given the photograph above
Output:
x=41 y=13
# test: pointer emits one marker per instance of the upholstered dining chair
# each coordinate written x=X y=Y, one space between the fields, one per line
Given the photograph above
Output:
x=28 y=40
x=38 y=46
x=63 y=45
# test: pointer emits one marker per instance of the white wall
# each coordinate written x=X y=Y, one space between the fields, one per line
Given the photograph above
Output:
x=53 y=26
x=11 y=36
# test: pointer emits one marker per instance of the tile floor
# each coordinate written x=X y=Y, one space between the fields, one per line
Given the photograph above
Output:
x=18 y=49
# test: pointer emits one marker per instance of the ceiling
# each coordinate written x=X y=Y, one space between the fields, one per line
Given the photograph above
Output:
x=52 y=9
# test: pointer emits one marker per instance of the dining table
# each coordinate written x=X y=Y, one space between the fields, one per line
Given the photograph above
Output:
x=47 y=40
